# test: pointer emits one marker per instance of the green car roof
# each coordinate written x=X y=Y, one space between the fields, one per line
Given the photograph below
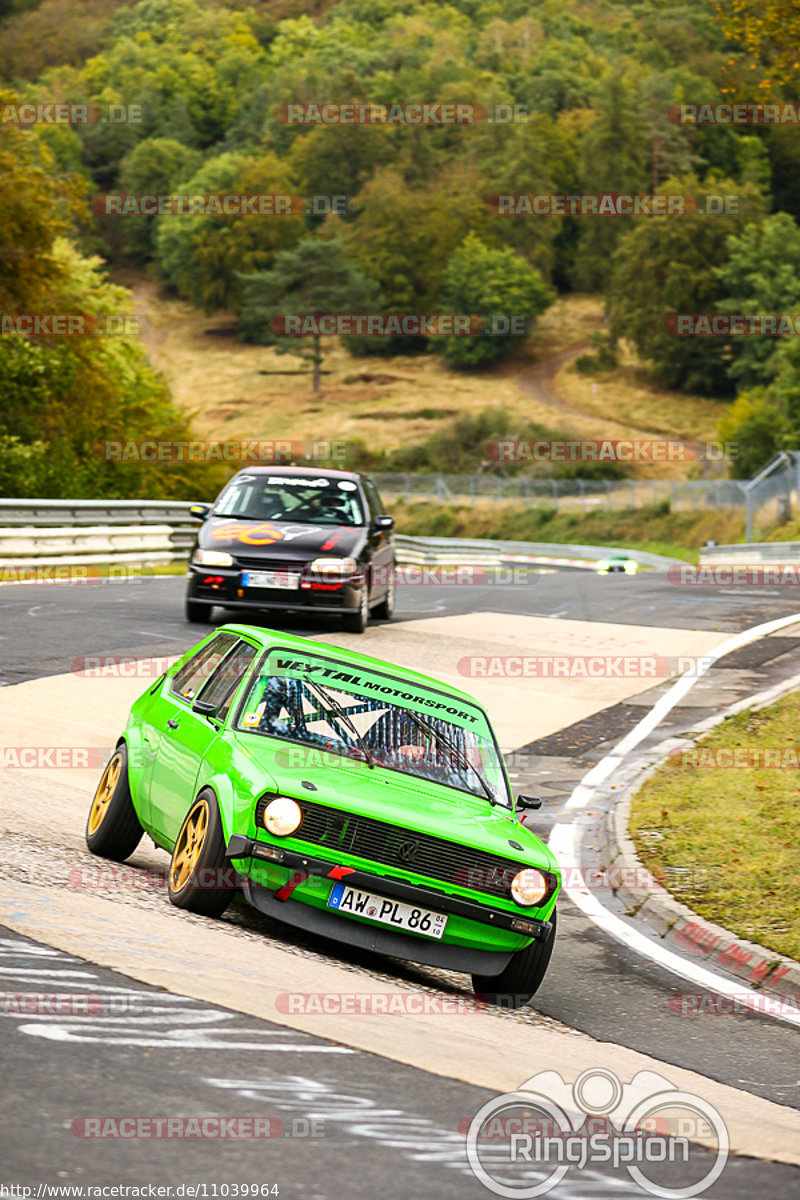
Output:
x=294 y=642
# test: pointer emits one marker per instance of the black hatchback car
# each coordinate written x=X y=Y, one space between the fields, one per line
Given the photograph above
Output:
x=294 y=538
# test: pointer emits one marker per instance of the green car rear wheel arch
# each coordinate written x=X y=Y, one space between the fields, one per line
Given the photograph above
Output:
x=112 y=828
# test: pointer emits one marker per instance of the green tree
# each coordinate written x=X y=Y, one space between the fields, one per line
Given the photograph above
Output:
x=614 y=159
x=156 y=166
x=501 y=287
x=761 y=275
x=763 y=420
x=663 y=266
x=74 y=392
x=35 y=207
x=203 y=256
x=315 y=277
x=403 y=238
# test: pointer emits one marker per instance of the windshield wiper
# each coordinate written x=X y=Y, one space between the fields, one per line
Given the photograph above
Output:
x=456 y=751
x=343 y=715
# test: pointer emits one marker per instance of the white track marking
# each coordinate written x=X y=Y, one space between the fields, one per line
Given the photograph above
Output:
x=565 y=842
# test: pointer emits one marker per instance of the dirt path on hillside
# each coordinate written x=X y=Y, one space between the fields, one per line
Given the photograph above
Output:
x=537 y=381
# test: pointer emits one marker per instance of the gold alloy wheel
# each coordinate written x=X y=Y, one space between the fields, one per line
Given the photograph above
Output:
x=189 y=845
x=105 y=790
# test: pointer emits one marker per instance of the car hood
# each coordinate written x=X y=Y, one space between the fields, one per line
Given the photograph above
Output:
x=280 y=539
x=418 y=805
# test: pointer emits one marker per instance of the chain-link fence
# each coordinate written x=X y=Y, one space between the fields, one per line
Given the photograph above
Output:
x=770 y=496
x=581 y=493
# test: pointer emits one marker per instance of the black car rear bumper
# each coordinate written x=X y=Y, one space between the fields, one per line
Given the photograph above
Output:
x=228 y=593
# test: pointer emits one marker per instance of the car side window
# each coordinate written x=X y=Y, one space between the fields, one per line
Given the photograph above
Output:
x=194 y=673
x=221 y=687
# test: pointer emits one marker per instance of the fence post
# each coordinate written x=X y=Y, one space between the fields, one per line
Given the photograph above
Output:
x=472 y=491
x=554 y=486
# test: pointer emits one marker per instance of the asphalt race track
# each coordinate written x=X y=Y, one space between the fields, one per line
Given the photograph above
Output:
x=391 y=1095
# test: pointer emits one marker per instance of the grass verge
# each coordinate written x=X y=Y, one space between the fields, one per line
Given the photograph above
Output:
x=654 y=529
x=726 y=840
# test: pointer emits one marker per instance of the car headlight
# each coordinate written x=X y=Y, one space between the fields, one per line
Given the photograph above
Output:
x=529 y=887
x=282 y=816
x=333 y=566
x=212 y=558
x=630 y=568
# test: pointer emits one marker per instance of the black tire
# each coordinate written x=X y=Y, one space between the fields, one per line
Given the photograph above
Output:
x=112 y=827
x=357 y=622
x=193 y=883
x=521 y=979
x=385 y=610
x=198 y=613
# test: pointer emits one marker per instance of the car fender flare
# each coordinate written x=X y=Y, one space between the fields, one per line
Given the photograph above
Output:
x=221 y=786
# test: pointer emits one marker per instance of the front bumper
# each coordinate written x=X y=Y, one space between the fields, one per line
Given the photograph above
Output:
x=378 y=937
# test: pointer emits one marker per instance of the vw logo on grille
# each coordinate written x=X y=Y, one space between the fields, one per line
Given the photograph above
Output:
x=408 y=851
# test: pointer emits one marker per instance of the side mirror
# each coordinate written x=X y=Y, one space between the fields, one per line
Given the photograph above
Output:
x=199 y=511
x=205 y=707
x=528 y=802
x=383 y=522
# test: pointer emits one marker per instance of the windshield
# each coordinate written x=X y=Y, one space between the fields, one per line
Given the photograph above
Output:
x=376 y=719
x=311 y=499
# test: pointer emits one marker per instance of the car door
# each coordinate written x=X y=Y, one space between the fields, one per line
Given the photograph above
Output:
x=380 y=545
x=177 y=738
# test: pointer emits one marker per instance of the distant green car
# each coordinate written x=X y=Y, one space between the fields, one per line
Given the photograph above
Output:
x=617 y=564
x=340 y=794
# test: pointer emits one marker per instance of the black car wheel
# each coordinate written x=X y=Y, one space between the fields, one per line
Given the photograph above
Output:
x=200 y=877
x=385 y=610
x=112 y=828
x=198 y=613
x=514 y=986
x=357 y=622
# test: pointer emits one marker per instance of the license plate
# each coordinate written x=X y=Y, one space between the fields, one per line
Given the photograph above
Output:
x=388 y=912
x=270 y=579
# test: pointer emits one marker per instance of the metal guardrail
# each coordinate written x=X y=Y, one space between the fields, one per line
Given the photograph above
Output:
x=68 y=532
x=71 y=532
x=751 y=554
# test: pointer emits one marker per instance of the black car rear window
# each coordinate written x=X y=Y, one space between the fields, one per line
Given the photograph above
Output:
x=308 y=499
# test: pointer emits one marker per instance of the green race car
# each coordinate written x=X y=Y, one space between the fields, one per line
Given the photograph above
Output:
x=340 y=794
